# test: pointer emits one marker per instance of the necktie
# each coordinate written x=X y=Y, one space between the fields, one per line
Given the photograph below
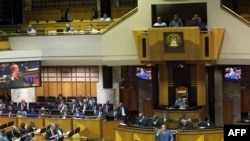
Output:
x=107 y=109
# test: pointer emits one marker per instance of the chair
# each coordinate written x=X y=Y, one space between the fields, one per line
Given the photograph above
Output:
x=51 y=99
x=33 y=105
x=41 y=99
x=59 y=30
x=69 y=98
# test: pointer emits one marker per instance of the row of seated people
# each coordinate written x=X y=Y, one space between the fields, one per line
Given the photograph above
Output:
x=75 y=109
x=26 y=132
x=184 y=124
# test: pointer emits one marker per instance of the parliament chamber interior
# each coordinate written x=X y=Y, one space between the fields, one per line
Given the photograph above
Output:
x=122 y=78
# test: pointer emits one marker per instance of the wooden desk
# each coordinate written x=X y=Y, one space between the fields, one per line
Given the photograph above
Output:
x=5 y=119
x=215 y=134
x=39 y=122
x=108 y=129
x=89 y=127
x=173 y=116
x=123 y=133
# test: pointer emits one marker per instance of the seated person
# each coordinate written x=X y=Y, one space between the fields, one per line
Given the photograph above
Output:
x=180 y=103
x=51 y=133
x=197 y=20
x=207 y=123
x=22 y=128
x=99 y=113
x=43 y=112
x=114 y=113
x=105 y=17
x=31 y=30
x=156 y=122
x=68 y=28
x=31 y=127
x=176 y=22
x=21 y=112
x=77 y=113
x=32 y=113
x=185 y=124
x=142 y=121
x=3 y=136
x=66 y=113
x=59 y=130
x=28 y=137
x=14 y=133
x=159 y=22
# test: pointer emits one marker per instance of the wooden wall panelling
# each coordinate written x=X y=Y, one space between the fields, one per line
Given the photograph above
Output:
x=245 y=100
x=201 y=85
x=80 y=86
x=66 y=88
x=227 y=112
x=52 y=88
x=163 y=85
x=74 y=88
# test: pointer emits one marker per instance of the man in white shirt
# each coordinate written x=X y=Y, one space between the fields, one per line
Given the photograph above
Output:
x=105 y=17
x=159 y=22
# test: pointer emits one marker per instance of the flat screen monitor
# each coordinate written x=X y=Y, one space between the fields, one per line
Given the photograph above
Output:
x=77 y=130
x=71 y=133
x=89 y=113
x=10 y=123
x=43 y=129
x=144 y=73
x=20 y=74
x=2 y=126
x=232 y=73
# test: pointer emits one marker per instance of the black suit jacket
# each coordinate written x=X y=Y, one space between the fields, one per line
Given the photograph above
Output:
x=156 y=123
x=11 y=134
x=110 y=108
x=126 y=110
x=71 y=107
x=142 y=123
x=48 y=135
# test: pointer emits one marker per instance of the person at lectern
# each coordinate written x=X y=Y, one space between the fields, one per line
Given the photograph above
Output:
x=51 y=133
x=15 y=79
x=164 y=134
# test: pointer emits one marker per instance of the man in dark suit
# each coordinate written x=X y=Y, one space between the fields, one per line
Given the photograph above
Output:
x=73 y=105
x=94 y=106
x=85 y=105
x=10 y=111
x=59 y=130
x=114 y=113
x=107 y=107
x=13 y=133
x=156 y=122
x=123 y=112
x=207 y=123
x=51 y=133
x=185 y=124
x=142 y=121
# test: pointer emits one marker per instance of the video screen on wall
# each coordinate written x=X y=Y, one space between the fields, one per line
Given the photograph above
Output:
x=144 y=73
x=185 y=12
x=20 y=74
x=232 y=73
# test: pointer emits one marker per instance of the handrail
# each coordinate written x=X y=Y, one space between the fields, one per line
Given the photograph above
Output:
x=119 y=20
x=235 y=15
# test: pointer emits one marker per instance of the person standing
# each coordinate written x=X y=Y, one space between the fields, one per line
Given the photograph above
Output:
x=31 y=30
x=164 y=134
